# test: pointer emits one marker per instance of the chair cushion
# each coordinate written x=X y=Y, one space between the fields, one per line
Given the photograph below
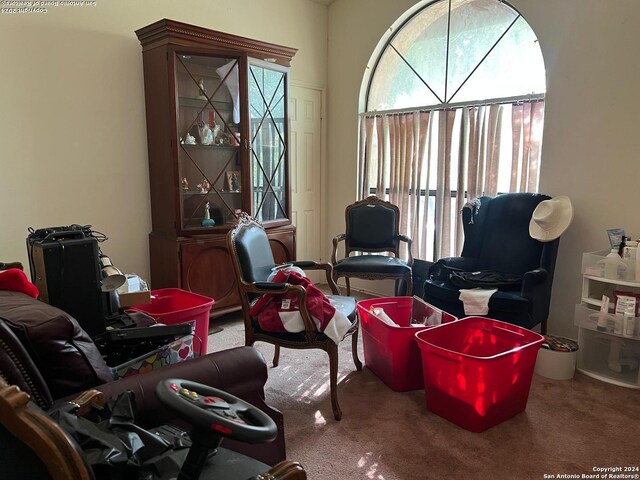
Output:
x=373 y=264
x=62 y=351
x=346 y=305
x=445 y=293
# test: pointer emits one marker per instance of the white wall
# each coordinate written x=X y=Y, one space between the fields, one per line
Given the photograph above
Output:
x=72 y=122
x=589 y=151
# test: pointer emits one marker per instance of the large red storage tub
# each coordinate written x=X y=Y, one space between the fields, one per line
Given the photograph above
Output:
x=391 y=351
x=174 y=305
x=479 y=370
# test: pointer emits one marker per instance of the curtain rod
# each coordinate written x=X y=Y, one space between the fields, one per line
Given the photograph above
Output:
x=452 y=106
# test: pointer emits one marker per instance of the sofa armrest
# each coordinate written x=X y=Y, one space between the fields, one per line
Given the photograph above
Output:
x=240 y=371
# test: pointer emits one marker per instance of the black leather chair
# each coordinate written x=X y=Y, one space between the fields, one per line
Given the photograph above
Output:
x=497 y=239
x=253 y=262
x=372 y=225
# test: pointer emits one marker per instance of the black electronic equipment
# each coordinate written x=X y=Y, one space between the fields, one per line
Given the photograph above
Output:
x=71 y=273
x=121 y=345
x=155 y=332
x=64 y=266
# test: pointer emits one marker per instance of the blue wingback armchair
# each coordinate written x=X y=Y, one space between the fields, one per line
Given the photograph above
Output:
x=497 y=239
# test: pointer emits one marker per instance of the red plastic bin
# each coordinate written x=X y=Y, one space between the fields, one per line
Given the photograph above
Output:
x=391 y=352
x=479 y=370
x=174 y=305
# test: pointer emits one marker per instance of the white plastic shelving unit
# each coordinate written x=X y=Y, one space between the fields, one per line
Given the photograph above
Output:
x=596 y=346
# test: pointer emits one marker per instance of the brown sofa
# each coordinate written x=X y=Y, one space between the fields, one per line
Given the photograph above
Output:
x=46 y=353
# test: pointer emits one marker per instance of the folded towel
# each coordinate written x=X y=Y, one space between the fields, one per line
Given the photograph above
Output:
x=476 y=300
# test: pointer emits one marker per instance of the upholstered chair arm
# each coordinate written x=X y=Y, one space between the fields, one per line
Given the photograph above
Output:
x=464 y=264
x=533 y=278
x=409 y=242
x=337 y=239
x=536 y=288
x=287 y=289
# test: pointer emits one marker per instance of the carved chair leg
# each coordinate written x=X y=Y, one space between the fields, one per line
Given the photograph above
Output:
x=354 y=350
x=346 y=280
x=332 y=350
x=409 y=285
x=334 y=276
x=276 y=356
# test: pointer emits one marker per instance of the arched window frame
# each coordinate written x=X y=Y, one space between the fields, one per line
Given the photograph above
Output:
x=431 y=213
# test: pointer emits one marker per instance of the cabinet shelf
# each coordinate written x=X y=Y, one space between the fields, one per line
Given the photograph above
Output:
x=209 y=147
x=199 y=103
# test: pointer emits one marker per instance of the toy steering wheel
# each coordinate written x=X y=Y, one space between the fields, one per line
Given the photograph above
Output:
x=216 y=411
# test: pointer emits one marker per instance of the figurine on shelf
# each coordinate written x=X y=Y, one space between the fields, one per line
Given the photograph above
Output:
x=190 y=140
x=204 y=186
x=185 y=184
x=233 y=181
x=207 y=221
x=202 y=92
x=206 y=135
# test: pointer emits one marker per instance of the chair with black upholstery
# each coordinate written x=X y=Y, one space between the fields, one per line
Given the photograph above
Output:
x=497 y=239
x=372 y=226
x=253 y=262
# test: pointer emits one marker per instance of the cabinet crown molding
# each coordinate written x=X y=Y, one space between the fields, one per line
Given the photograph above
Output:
x=167 y=31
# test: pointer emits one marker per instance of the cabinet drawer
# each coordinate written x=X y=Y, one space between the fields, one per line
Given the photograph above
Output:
x=609 y=357
x=586 y=317
x=593 y=266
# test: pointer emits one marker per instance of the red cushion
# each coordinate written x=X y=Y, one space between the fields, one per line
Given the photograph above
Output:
x=15 y=280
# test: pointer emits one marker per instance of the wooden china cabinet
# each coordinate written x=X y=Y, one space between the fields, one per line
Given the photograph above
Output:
x=217 y=133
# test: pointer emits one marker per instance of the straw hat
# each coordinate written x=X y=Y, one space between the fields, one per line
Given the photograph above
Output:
x=551 y=218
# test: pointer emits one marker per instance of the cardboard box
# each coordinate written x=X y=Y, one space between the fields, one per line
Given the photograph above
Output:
x=131 y=293
x=134 y=298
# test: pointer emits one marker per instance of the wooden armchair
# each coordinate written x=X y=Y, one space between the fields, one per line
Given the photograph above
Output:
x=253 y=262
x=372 y=226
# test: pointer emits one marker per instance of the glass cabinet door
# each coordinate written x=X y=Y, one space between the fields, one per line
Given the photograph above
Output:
x=208 y=122
x=268 y=140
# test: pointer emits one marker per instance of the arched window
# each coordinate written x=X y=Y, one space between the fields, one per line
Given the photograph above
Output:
x=454 y=110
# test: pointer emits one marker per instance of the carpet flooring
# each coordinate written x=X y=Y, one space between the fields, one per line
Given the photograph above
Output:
x=570 y=428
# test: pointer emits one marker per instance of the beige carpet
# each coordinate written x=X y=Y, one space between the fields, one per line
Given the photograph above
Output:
x=569 y=427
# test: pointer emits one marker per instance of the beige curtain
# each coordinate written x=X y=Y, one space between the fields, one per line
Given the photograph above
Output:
x=463 y=149
x=526 y=121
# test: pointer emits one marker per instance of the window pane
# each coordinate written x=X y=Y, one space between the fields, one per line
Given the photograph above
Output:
x=395 y=85
x=411 y=71
x=514 y=67
x=423 y=43
x=475 y=27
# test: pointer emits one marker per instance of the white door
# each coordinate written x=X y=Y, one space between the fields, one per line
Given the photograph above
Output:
x=306 y=171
